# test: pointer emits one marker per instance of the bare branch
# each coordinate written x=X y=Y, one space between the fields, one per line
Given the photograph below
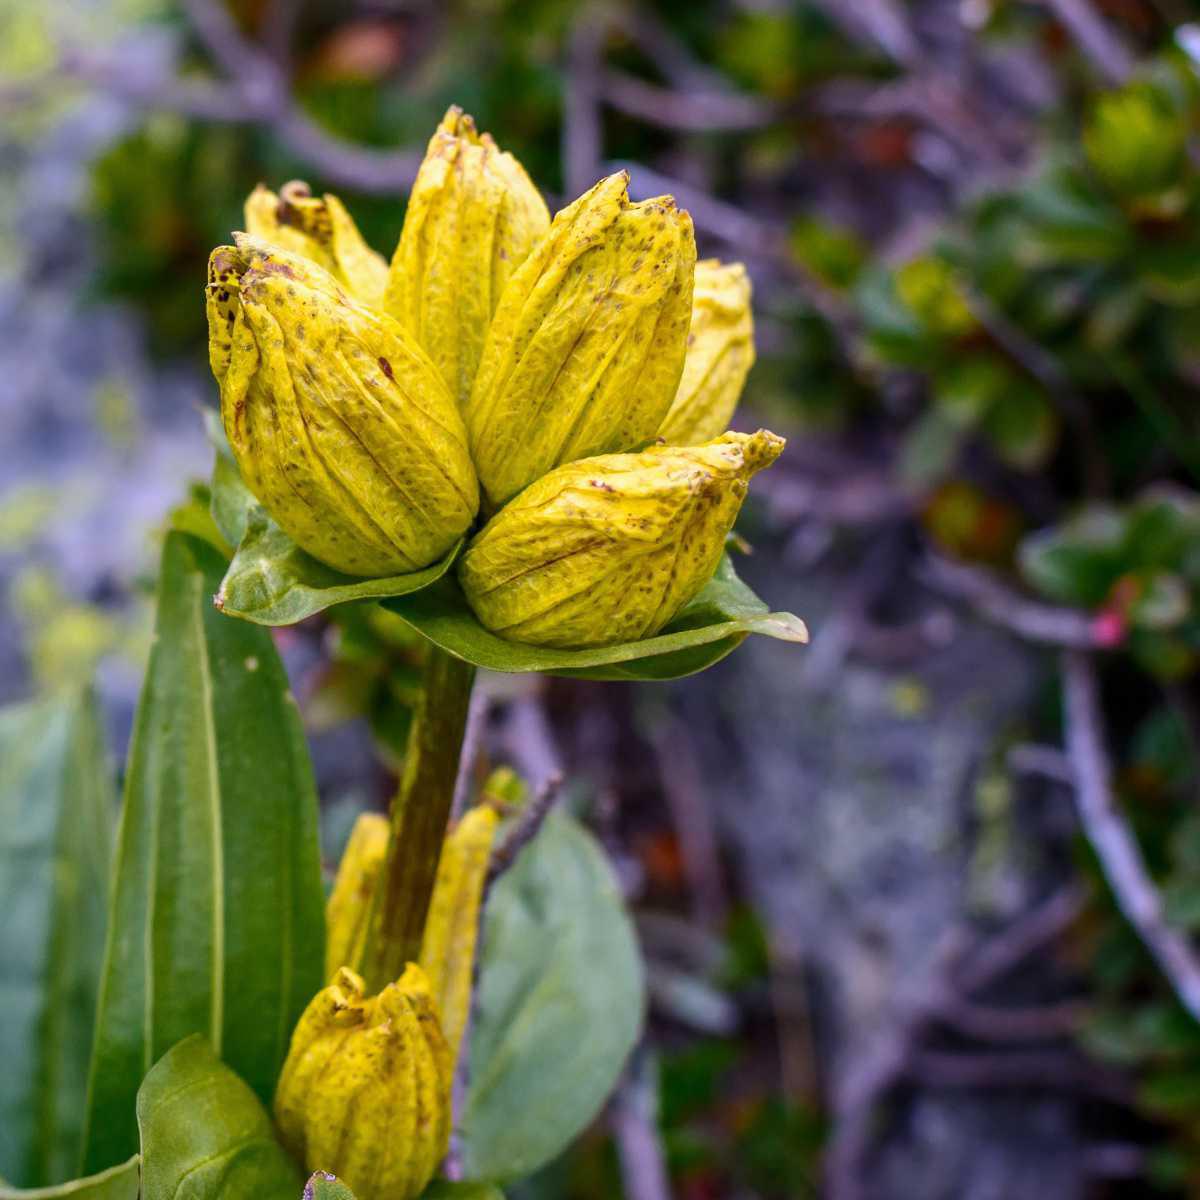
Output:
x=1007 y=607
x=257 y=77
x=880 y=23
x=992 y=1023
x=1107 y=53
x=477 y=717
x=1113 y=841
x=689 y=112
x=1049 y=762
x=667 y=51
x=1009 y=948
x=359 y=167
x=583 y=138
x=691 y=814
x=528 y=822
x=1043 y=1070
x=634 y=1119
x=254 y=91
x=878 y=1071
x=199 y=99
x=1114 y=1160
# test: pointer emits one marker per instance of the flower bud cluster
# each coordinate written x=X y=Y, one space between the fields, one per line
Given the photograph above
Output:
x=504 y=364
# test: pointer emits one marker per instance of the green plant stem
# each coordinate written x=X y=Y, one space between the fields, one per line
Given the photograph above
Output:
x=420 y=813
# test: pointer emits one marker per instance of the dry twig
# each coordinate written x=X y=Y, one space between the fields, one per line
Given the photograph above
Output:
x=477 y=718
x=528 y=822
x=1005 y=606
x=1107 y=53
x=691 y=814
x=1006 y=950
x=1112 y=839
x=688 y=112
x=634 y=1119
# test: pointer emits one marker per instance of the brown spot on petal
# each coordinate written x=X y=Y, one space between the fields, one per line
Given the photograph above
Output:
x=386 y=368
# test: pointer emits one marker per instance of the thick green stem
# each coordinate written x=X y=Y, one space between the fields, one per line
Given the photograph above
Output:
x=420 y=814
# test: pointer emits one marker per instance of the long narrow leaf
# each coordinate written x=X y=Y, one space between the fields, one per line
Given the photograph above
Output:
x=217 y=923
x=56 y=810
x=117 y=1183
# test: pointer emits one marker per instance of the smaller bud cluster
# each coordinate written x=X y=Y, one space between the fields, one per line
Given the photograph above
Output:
x=365 y=1091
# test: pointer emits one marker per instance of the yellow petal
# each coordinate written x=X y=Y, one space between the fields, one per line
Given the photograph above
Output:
x=473 y=217
x=452 y=926
x=348 y=910
x=320 y=229
x=586 y=348
x=720 y=353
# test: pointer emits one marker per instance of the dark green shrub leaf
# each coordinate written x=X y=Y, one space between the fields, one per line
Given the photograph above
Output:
x=117 y=1183
x=205 y=1135
x=930 y=448
x=217 y=922
x=56 y=811
x=706 y=630
x=1078 y=562
x=1173 y=1092
x=1022 y=426
x=561 y=998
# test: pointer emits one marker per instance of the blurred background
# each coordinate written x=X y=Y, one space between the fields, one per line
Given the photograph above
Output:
x=917 y=901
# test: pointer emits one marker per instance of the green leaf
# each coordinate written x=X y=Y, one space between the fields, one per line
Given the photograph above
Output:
x=217 y=922
x=56 y=812
x=1022 y=426
x=1077 y=562
x=1172 y=1093
x=271 y=581
x=231 y=500
x=930 y=449
x=117 y=1183
x=205 y=1134
x=322 y=1186
x=560 y=1004
x=706 y=630
x=445 y=1189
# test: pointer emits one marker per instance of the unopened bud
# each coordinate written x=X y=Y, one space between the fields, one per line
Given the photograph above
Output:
x=365 y=1092
x=452 y=926
x=320 y=229
x=348 y=910
x=586 y=348
x=340 y=425
x=473 y=217
x=609 y=549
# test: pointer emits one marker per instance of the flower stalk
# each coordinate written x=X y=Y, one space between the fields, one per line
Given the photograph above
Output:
x=419 y=816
